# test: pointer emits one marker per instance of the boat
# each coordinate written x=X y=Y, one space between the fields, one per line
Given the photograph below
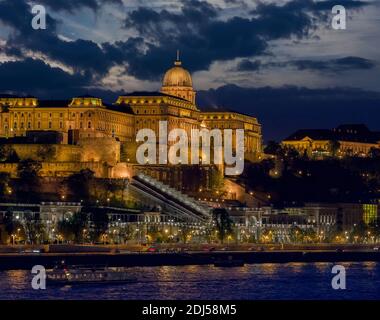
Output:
x=230 y=262
x=71 y=275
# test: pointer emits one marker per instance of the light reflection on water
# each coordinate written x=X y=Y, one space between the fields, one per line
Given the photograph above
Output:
x=260 y=281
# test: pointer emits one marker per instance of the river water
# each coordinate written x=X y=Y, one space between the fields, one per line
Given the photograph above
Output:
x=298 y=281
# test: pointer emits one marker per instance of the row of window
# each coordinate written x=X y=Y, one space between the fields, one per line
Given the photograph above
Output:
x=29 y=115
x=50 y=125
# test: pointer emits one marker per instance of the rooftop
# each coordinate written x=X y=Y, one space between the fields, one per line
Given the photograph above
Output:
x=344 y=132
x=151 y=94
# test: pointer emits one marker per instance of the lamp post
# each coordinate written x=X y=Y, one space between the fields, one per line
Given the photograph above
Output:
x=104 y=237
x=84 y=236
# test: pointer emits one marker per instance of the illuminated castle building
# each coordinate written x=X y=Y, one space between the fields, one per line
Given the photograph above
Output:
x=344 y=140
x=87 y=129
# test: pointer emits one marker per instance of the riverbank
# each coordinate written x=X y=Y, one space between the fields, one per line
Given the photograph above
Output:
x=25 y=261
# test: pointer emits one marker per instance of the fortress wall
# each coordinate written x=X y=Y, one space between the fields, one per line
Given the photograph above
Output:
x=10 y=168
x=62 y=169
x=60 y=152
x=100 y=149
x=123 y=170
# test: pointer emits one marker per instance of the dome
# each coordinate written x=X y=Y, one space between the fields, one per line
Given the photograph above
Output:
x=177 y=77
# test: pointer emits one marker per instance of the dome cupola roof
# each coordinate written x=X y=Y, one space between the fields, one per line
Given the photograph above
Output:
x=177 y=76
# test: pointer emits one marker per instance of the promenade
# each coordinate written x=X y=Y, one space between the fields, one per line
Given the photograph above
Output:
x=26 y=260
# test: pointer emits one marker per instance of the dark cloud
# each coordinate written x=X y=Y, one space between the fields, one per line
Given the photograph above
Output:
x=36 y=77
x=281 y=111
x=334 y=65
x=204 y=38
x=72 y=5
x=322 y=66
x=248 y=65
x=17 y=15
x=197 y=29
x=83 y=56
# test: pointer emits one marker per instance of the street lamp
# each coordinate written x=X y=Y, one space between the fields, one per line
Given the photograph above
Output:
x=84 y=236
x=60 y=238
x=13 y=236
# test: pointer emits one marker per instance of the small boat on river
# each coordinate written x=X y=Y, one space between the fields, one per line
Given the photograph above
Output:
x=63 y=274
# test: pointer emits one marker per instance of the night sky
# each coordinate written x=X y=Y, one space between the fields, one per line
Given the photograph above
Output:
x=278 y=60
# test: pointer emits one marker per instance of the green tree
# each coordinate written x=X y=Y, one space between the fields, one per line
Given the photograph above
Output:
x=65 y=229
x=99 y=222
x=296 y=234
x=216 y=179
x=46 y=152
x=274 y=148
x=34 y=228
x=184 y=233
x=4 y=184
x=8 y=154
x=359 y=232
x=11 y=225
x=223 y=223
x=310 y=235
x=334 y=147
x=291 y=153
x=28 y=172
x=72 y=228
x=374 y=153
x=79 y=184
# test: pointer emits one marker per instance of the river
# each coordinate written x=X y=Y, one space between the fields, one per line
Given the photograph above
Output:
x=298 y=281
